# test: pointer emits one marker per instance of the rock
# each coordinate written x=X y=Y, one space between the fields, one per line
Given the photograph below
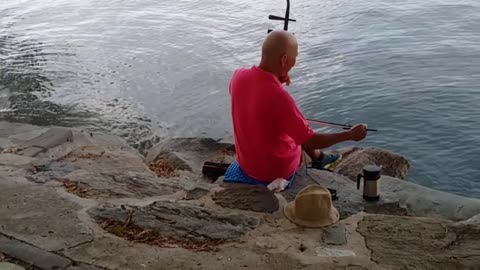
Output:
x=475 y=220
x=31 y=212
x=17 y=160
x=397 y=197
x=175 y=161
x=51 y=171
x=420 y=243
x=181 y=222
x=335 y=234
x=196 y=193
x=387 y=208
x=82 y=266
x=51 y=138
x=30 y=254
x=333 y=252
x=188 y=153
x=247 y=197
x=10 y=266
x=354 y=159
x=120 y=185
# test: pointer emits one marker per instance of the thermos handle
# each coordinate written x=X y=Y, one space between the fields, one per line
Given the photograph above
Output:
x=358 y=180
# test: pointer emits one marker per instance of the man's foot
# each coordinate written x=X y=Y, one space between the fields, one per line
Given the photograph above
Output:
x=325 y=160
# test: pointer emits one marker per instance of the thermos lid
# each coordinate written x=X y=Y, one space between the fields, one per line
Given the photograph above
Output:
x=372 y=168
x=372 y=172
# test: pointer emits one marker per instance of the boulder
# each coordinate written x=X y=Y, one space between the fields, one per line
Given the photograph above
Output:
x=354 y=159
x=190 y=153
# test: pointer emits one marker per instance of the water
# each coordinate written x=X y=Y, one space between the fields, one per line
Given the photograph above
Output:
x=148 y=69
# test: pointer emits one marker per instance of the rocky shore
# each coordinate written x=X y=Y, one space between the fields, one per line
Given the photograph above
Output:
x=76 y=200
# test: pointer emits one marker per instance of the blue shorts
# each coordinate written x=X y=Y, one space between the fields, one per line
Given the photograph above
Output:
x=235 y=174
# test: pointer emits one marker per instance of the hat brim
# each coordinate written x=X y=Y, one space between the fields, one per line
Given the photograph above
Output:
x=289 y=211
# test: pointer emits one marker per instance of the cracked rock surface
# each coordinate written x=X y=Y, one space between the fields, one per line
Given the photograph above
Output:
x=79 y=201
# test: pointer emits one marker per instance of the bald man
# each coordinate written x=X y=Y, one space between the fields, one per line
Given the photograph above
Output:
x=269 y=129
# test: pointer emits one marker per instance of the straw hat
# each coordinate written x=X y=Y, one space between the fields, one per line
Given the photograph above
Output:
x=312 y=208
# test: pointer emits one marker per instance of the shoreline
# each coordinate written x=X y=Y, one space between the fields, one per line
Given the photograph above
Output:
x=75 y=200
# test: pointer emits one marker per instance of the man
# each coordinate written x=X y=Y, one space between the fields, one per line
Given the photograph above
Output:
x=270 y=131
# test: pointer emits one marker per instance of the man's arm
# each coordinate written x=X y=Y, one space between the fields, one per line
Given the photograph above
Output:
x=324 y=140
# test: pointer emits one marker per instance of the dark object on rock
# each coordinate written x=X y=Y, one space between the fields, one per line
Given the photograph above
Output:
x=333 y=192
x=247 y=197
x=214 y=170
x=302 y=247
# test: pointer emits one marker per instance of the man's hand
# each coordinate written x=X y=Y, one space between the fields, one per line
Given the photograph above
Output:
x=285 y=79
x=358 y=132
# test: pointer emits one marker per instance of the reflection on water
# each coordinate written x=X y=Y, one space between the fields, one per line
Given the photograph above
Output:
x=150 y=69
x=23 y=84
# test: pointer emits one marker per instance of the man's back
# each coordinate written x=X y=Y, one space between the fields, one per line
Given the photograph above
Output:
x=269 y=129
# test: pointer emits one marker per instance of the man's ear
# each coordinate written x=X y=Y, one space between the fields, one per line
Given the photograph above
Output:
x=284 y=60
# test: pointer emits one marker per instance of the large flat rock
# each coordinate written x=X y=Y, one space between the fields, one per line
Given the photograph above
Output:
x=121 y=185
x=35 y=256
x=39 y=216
x=396 y=197
x=114 y=254
x=182 y=222
x=421 y=243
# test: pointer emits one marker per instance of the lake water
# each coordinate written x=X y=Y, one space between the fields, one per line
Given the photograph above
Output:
x=149 y=69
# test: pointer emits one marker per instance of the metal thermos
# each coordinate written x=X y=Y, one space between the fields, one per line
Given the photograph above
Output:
x=371 y=183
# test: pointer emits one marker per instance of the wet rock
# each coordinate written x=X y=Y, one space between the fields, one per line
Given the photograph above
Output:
x=247 y=197
x=354 y=159
x=179 y=222
x=188 y=153
x=420 y=243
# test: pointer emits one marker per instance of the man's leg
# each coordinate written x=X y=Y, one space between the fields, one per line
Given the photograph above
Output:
x=314 y=154
x=320 y=159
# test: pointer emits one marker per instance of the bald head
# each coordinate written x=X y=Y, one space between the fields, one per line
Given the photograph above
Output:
x=279 y=52
x=278 y=43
